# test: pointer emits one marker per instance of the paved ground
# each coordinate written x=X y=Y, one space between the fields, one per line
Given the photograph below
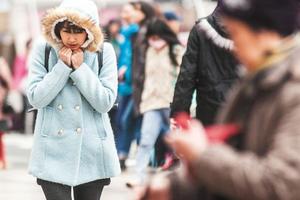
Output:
x=16 y=184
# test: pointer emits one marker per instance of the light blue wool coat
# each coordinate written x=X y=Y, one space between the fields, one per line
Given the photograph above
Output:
x=73 y=138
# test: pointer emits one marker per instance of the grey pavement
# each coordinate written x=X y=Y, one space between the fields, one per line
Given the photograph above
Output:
x=17 y=184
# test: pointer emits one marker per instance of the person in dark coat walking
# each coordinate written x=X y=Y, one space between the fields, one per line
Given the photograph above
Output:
x=208 y=67
x=144 y=14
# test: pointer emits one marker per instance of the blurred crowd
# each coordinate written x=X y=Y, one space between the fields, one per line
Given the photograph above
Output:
x=149 y=51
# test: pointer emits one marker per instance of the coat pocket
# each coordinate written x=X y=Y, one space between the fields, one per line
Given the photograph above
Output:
x=100 y=124
x=47 y=121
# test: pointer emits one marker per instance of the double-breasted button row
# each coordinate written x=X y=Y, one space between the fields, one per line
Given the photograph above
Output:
x=60 y=107
x=77 y=107
x=61 y=131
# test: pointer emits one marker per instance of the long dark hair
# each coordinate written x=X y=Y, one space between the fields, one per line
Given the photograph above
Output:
x=146 y=8
x=160 y=28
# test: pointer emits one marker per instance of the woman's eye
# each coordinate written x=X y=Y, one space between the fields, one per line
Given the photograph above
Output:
x=78 y=31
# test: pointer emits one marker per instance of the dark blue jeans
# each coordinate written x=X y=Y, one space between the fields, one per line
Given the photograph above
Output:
x=128 y=125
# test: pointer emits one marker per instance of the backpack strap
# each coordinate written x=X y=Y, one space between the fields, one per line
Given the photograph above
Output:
x=100 y=63
x=47 y=54
x=100 y=60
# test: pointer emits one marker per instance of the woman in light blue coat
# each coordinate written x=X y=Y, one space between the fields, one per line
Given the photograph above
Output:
x=73 y=144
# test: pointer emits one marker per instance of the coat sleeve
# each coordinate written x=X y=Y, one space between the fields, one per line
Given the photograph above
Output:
x=100 y=92
x=186 y=82
x=246 y=176
x=42 y=86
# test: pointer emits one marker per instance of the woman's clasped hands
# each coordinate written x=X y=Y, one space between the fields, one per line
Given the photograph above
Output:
x=71 y=58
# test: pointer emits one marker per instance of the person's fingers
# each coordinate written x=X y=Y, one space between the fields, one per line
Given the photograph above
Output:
x=65 y=52
x=68 y=52
x=173 y=124
x=61 y=51
x=77 y=53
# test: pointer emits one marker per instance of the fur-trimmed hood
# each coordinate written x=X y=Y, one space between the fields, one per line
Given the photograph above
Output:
x=83 y=13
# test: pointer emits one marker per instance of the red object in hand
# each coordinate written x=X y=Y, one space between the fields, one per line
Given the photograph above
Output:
x=182 y=119
x=214 y=133
x=221 y=133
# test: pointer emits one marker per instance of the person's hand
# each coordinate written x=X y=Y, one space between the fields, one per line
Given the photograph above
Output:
x=173 y=124
x=65 y=55
x=189 y=143
x=77 y=58
x=121 y=73
x=158 y=189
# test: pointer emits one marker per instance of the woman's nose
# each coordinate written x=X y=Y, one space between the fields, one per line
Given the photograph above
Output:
x=72 y=38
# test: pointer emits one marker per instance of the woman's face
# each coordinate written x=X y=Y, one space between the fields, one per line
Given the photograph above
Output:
x=138 y=16
x=73 y=41
x=249 y=47
x=127 y=13
x=114 y=29
x=156 y=42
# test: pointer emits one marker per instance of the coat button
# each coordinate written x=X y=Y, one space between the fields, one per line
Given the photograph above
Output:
x=60 y=107
x=78 y=130
x=60 y=132
x=77 y=107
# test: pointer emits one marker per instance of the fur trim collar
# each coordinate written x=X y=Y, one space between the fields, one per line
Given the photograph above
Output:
x=54 y=16
x=215 y=37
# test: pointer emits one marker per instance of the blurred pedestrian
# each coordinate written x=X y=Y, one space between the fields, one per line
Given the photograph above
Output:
x=5 y=72
x=20 y=70
x=265 y=164
x=112 y=30
x=160 y=78
x=5 y=122
x=74 y=145
x=173 y=21
x=124 y=118
x=19 y=78
x=208 y=67
x=143 y=14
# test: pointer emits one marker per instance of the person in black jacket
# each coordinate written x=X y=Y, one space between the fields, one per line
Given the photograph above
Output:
x=208 y=67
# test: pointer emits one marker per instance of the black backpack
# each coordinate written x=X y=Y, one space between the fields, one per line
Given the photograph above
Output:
x=46 y=61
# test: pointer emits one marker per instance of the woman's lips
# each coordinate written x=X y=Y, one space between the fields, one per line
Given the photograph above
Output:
x=73 y=46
